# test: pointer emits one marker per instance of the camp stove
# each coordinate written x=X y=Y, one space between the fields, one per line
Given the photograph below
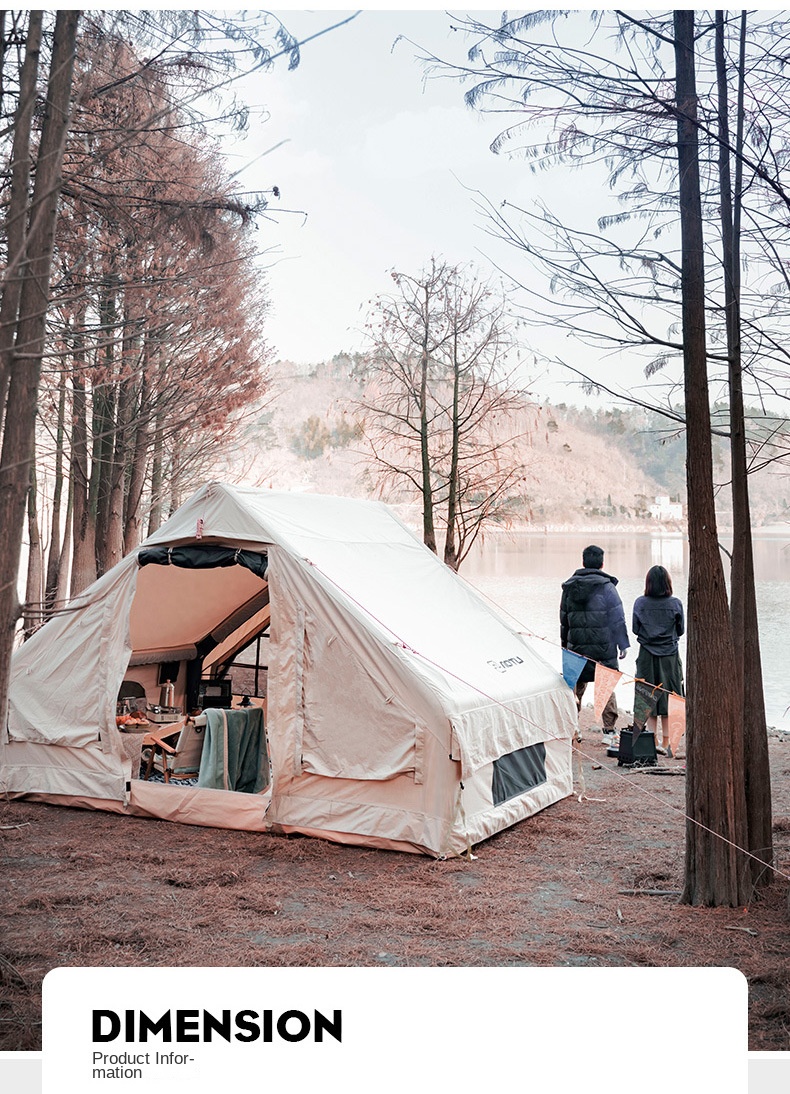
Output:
x=162 y=715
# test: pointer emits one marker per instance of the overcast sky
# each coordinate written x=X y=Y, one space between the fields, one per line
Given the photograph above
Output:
x=380 y=169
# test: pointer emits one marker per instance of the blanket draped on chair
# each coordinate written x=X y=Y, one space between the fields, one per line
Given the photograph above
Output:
x=234 y=751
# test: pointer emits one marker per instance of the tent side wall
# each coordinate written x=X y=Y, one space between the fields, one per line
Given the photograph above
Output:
x=479 y=817
x=353 y=764
x=65 y=678
x=354 y=759
x=61 y=737
x=29 y=767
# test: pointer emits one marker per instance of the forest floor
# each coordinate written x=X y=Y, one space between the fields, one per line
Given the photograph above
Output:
x=575 y=885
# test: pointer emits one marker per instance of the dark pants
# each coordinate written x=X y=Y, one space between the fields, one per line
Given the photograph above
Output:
x=610 y=711
x=665 y=671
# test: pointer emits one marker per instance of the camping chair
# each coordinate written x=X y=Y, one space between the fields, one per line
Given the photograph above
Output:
x=174 y=750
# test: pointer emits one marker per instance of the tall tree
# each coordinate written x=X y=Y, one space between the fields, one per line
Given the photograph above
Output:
x=16 y=217
x=442 y=414
x=195 y=46
x=611 y=110
x=29 y=341
x=743 y=594
x=716 y=869
x=157 y=296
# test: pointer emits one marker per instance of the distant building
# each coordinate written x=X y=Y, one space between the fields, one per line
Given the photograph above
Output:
x=664 y=509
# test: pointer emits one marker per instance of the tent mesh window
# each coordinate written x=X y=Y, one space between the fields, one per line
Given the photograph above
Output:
x=251 y=666
x=518 y=772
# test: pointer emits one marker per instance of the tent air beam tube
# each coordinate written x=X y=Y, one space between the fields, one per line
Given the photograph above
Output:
x=154 y=657
x=240 y=617
x=204 y=557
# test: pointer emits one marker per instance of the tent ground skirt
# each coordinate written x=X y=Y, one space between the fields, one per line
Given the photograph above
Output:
x=200 y=806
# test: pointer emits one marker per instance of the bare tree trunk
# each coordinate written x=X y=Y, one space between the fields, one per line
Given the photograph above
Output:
x=32 y=616
x=16 y=216
x=133 y=517
x=428 y=530
x=83 y=570
x=450 y=548
x=716 y=871
x=174 y=483
x=743 y=598
x=64 y=566
x=113 y=546
x=54 y=558
x=3 y=44
x=103 y=425
x=155 y=515
x=104 y=422
x=20 y=419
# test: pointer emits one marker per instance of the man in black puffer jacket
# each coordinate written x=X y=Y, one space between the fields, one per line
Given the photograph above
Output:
x=592 y=623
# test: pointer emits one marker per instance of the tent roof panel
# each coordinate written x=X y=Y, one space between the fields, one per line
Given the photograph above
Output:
x=175 y=607
x=377 y=568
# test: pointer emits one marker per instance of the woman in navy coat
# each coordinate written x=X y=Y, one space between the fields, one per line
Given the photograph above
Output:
x=658 y=623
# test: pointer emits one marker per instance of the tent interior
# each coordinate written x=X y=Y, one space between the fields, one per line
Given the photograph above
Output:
x=200 y=621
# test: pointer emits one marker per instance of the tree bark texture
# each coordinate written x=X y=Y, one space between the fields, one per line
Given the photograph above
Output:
x=716 y=870
x=83 y=570
x=55 y=553
x=32 y=616
x=134 y=414
x=3 y=46
x=113 y=546
x=64 y=567
x=157 y=479
x=20 y=419
x=133 y=517
x=16 y=216
x=743 y=596
x=104 y=423
x=428 y=529
x=450 y=546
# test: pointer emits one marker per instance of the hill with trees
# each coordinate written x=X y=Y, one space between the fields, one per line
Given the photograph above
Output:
x=584 y=466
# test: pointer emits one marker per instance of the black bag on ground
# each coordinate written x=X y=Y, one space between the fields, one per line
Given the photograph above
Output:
x=637 y=753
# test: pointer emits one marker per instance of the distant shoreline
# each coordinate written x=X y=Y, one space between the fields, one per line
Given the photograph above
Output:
x=666 y=531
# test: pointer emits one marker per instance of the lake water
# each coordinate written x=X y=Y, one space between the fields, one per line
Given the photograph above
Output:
x=523 y=574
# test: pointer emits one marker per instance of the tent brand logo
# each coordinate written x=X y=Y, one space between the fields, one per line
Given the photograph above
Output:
x=503 y=666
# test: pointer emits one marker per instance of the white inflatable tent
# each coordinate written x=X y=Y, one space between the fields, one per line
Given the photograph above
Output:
x=402 y=711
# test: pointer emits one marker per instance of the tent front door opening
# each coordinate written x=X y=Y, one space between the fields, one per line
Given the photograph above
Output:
x=199 y=628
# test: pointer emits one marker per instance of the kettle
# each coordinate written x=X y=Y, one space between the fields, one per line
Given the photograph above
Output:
x=167 y=694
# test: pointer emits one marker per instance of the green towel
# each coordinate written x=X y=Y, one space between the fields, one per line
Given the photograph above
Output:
x=236 y=758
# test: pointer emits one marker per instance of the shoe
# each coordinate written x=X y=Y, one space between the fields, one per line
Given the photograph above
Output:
x=660 y=750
